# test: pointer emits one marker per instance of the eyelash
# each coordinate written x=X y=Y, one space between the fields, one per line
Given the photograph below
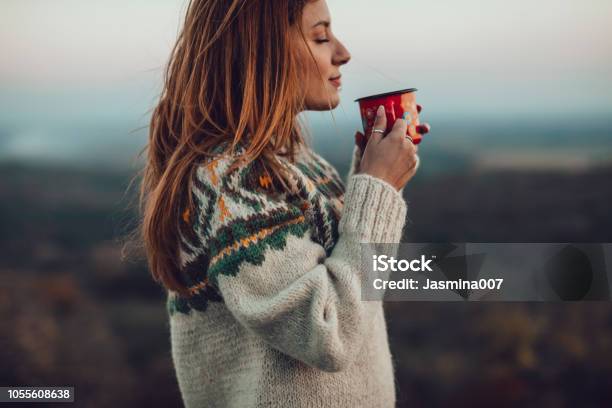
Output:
x=322 y=41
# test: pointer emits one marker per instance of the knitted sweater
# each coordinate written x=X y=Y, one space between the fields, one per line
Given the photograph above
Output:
x=276 y=317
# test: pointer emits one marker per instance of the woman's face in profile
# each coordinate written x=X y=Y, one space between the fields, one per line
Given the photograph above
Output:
x=329 y=54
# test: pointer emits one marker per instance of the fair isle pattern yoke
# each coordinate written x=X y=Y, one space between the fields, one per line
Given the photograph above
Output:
x=218 y=241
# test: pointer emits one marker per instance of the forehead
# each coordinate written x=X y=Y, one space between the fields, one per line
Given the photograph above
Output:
x=315 y=11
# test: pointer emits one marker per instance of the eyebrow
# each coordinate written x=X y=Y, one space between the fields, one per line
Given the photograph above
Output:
x=322 y=22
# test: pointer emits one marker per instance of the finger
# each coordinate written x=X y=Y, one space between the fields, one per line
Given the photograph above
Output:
x=419 y=108
x=413 y=132
x=413 y=146
x=412 y=141
x=400 y=128
x=379 y=123
x=423 y=129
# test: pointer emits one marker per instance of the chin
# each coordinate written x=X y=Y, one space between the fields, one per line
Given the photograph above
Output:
x=324 y=104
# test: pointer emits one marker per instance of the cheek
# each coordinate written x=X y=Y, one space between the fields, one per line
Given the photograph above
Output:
x=319 y=65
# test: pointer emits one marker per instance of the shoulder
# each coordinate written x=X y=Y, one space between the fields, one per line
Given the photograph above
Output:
x=239 y=213
x=229 y=178
x=235 y=218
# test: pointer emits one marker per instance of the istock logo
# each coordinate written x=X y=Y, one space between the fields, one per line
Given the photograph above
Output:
x=385 y=263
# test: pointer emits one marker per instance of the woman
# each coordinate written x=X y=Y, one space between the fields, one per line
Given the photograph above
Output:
x=253 y=234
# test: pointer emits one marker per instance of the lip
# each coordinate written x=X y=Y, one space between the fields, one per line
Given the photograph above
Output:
x=336 y=81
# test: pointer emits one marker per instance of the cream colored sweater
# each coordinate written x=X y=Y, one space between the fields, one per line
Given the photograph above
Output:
x=276 y=317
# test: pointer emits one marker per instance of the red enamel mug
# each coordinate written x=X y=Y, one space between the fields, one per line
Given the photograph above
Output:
x=398 y=104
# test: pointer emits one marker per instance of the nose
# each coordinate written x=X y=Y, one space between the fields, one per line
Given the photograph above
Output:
x=342 y=55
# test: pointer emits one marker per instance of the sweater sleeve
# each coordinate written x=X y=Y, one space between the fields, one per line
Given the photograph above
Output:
x=355 y=161
x=282 y=285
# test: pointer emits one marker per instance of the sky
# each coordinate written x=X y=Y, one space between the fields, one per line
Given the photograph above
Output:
x=492 y=49
x=84 y=60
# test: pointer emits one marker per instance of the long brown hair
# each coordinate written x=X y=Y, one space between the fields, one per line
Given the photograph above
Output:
x=232 y=77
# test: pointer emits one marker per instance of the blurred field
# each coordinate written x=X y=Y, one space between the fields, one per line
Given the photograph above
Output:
x=72 y=314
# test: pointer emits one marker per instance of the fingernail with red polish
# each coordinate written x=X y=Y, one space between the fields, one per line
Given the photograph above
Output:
x=422 y=129
x=419 y=108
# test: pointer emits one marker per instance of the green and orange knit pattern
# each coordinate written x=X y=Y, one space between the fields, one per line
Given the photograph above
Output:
x=207 y=252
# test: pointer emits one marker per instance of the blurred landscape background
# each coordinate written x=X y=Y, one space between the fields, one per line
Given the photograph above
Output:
x=519 y=99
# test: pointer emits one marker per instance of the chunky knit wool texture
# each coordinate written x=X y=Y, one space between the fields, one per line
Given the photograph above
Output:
x=276 y=317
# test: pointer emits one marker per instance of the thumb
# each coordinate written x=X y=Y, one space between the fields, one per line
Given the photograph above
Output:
x=380 y=123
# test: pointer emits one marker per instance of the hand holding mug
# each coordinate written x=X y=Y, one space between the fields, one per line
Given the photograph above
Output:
x=391 y=157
